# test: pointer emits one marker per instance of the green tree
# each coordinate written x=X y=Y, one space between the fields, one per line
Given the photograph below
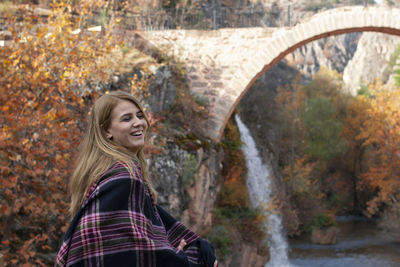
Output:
x=323 y=129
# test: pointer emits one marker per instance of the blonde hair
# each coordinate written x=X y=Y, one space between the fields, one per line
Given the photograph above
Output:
x=98 y=153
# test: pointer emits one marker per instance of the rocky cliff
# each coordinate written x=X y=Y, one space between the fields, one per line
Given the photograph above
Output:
x=332 y=53
x=186 y=180
x=370 y=61
x=191 y=202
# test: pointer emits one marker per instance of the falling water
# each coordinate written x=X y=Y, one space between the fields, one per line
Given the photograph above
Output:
x=259 y=186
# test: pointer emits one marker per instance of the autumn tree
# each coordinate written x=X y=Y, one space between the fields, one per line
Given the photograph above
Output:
x=290 y=100
x=381 y=133
x=50 y=72
x=356 y=117
x=312 y=138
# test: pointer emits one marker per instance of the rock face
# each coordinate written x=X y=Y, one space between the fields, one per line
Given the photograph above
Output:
x=203 y=193
x=332 y=53
x=162 y=90
x=166 y=177
x=192 y=204
x=247 y=256
x=371 y=60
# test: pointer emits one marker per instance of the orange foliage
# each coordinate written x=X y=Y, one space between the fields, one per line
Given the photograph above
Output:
x=299 y=180
x=47 y=77
x=356 y=116
x=381 y=133
x=234 y=191
x=292 y=97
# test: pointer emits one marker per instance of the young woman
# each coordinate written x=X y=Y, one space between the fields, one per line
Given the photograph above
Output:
x=116 y=221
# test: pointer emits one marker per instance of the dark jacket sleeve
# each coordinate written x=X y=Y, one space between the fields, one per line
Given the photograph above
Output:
x=176 y=231
x=203 y=255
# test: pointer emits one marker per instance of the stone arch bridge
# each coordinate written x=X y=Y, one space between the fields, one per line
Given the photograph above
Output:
x=222 y=65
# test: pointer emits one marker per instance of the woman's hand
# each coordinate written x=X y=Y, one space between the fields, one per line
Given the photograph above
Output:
x=182 y=244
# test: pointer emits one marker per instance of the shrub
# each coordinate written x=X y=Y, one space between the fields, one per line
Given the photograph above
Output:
x=189 y=170
x=320 y=221
x=233 y=195
x=219 y=236
x=248 y=221
x=201 y=100
x=333 y=200
x=314 y=7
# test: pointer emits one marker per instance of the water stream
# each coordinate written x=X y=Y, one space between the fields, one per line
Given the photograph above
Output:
x=359 y=241
x=259 y=187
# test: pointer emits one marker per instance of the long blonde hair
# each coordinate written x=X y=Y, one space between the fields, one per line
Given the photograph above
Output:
x=98 y=153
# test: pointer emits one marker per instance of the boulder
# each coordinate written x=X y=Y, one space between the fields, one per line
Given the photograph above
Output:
x=324 y=236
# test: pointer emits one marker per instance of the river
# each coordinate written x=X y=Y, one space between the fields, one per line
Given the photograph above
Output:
x=359 y=244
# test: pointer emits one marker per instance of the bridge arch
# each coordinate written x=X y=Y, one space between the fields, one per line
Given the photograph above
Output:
x=222 y=65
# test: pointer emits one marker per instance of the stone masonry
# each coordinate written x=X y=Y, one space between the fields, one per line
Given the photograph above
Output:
x=222 y=65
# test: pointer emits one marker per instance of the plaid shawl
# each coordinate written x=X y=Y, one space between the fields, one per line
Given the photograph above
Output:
x=120 y=225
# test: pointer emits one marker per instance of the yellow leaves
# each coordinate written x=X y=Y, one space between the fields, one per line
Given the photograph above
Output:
x=25 y=58
x=299 y=179
x=5 y=108
x=15 y=62
x=5 y=133
x=64 y=75
x=35 y=62
x=36 y=75
x=50 y=115
x=381 y=134
x=42 y=114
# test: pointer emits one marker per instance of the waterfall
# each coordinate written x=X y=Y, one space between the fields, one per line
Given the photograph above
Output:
x=259 y=187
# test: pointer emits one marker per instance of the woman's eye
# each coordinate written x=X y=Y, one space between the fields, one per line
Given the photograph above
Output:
x=140 y=115
x=126 y=119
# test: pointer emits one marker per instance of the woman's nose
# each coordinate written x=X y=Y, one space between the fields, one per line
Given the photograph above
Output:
x=137 y=122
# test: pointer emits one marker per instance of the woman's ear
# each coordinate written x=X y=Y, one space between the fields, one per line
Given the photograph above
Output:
x=109 y=135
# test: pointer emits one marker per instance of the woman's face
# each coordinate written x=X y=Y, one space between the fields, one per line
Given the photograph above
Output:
x=128 y=126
